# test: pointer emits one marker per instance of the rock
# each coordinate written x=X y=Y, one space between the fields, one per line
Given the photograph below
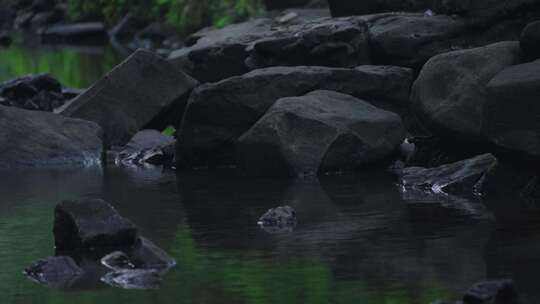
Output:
x=117 y=260
x=5 y=39
x=148 y=146
x=45 y=18
x=279 y=216
x=126 y=28
x=450 y=93
x=91 y=223
x=39 y=139
x=458 y=178
x=323 y=131
x=75 y=32
x=512 y=109
x=325 y=42
x=411 y=39
x=530 y=40
x=33 y=92
x=282 y=4
x=143 y=91
x=133 y=279
x=23 y=19
x=340 y=8
x=147 y=255
x=492 y=292
x=218 y=113
x=237 y=49
x=55 y=272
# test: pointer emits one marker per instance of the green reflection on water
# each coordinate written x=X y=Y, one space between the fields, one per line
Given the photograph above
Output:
x=73 y=66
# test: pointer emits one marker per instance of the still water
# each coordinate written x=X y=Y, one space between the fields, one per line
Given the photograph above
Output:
x=358 y=239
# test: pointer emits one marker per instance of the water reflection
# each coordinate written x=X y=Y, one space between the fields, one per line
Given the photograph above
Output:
x=357 y=240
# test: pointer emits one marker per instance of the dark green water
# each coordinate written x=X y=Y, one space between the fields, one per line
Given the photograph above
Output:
x=73 y=66
x=358 y=240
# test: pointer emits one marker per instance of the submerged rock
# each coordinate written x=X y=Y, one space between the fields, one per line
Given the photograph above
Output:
x=217 y=114
x=283 y=216
x=512 y=109
x=459 y=177
x=133 y=279
x=323 y=131
x=141 y=90
x=40 y=139
x=450 y=93
x=492 y=292
x=55 y=272
x=91 y=223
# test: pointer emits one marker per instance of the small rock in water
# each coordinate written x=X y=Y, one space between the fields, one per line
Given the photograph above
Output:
x=55 y=272
x=284 y=216
x=492 y=292
x=117 y=260
x=133 y=279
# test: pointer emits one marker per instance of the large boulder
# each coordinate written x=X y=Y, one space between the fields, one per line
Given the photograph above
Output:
x=450 y=93
x=55 y=272
x=323 y=131
x=512 y=109
x=40 y=139
x=142 y=90
x=91 y=224
x=411 y=39
x=239 y=48
x=463 y=177
x=530 y=40
x=218 y=113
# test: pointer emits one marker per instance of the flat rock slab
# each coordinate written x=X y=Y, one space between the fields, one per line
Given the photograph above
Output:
x=40 y=139
x=459 y=177
x=91 y=223
x=217 y=114
x=323 y=131
x=141 y=89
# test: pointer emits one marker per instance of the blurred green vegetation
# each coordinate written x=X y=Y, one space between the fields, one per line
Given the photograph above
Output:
x=184 y=15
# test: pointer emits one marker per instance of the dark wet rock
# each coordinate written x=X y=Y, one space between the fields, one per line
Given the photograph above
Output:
x=148 y=146
x=133 y=279
x=91 y=223
x=126 y=28
x=326 y=42
x=450 y=93
x=23 y=19
x=117 y=260
x=55 y=272
x=323 y=131
x=530 y=40
x=492 y=292
x=45 y=18
x=143 y=91
x=218 y=114
x=75 y=32
x=5 y=38
x=283 y=216
x=147 y=255
x=282 y=4
x=237 y=49
x=39 y=139
x=512 y=110
x=350 y=8
x=411 y=39
x=460 y=178
x=157 y=32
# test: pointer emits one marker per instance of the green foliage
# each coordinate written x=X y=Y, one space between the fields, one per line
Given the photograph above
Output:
x=185 y=15
x=170 y=131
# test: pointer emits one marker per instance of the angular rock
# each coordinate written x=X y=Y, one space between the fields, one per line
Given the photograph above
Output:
x=279 y=216
x=512 y=110
x=458 y=178
x=450 y=93
x=75 y=32
x=142 y=90
x=411 y=39
x=218 y=113
x=55 y=272
x=117 y=260
x=326 y=42
x=148 y=146
x=530 y=40
x=133 y=279
x=320 y=132
x=126 y=28
x=91 y=223
x=492 y=292
x=40 y=139
x=147 y=255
